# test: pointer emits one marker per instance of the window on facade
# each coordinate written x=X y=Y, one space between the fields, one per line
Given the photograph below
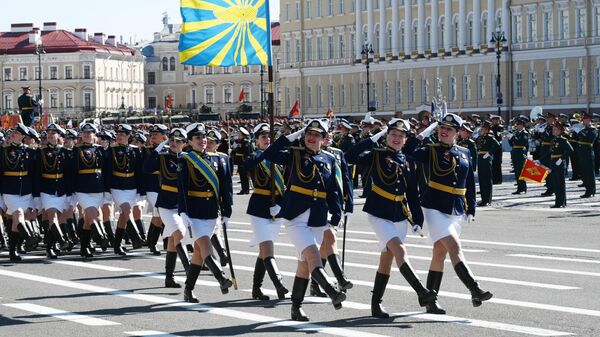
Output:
x=415 y=35
x=581 y=22
x=247 y=93
x=596 y=21
x=308 y=47
x=563 y=23
x=209 y=95
x=165 y=64
x=531 y=27
x=228 y=94
x=53 y=98
x=209 y=70
x=319 y=96
x=330 y=96
x=68 y=99
x=309 y=97
x=518 y=85
x=341 y=47
x=470 y=31
x=564 y=83
x=386 y=93
x=401 y=37
x=287 y=12
x=361 y=94
x=152 y=102
x=8 y=74
x=424 y=91
x=455 y=33
x=245 y=69
x=69 y=72
x=517 y=30
x=547 y=26
x=330 y=7
x=297 y=10
x=53 y=72
x=452 y=89
x=581 y=83
x=36 y=73
x=288 y=54
x=597 y=81
x=411 y=91
x=330 y=47
x=547 y=84
x=342 y=95
x=341 y=9
x=288 y=98
x=533 y=84
x=484 y=27
x=298 y=51
x=151 y=77
x=172 y=64
x=227 y=70
x=22 y=74
x=319 y=7
x=319 y=47
x=308 y=9
x=428 y=35
x=398 y=92
x=480 y=87
x=467 y=87
x=8 y=101
x=87 y=72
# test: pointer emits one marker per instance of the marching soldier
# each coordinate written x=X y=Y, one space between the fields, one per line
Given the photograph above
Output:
x=204 y=191
x=448 y=203
x=26 y=105
x=167 y=201
x=497 y=128
x=487 y=145
x=138 y=140
x=17 y=166
x=519 y=141
x=242 y=151
x=546 y=147
x=587 y=137
x=561 y=149
x=314 y=190
x=573 y=138
x=392 y=206
x=466 y=140
x=263 y=210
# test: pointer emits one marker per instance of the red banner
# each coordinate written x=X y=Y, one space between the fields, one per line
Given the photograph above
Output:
x=533 y=172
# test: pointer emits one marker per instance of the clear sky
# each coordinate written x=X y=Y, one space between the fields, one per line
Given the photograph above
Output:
x=137 y=19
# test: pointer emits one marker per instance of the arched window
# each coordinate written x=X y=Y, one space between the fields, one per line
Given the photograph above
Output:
x=172 y=64
x=441 y=32
x=484 y=28
x=376 y=39
x=165 y=64
x=401 y=37
x=428 y=34
x=415 y=34
x=455 y=37
x=469 y=41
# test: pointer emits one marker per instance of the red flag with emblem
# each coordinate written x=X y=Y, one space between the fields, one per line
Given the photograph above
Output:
x=329 y=113
x=295 y=112
x=242 y=95
x=533 y=172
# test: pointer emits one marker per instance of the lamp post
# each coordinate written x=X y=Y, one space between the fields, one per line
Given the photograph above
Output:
x=498 y=39
x=123 y=102
x=367 y=52
x=39 y=50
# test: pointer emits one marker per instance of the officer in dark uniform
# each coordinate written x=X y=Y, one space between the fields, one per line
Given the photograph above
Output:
x=151 y=182
x=242 y=151
x=392 y=207
x=205 y=192
x=519 y=141
x=497 y=128
x=17 y=168
x=124 y=181
x=26 y=105
x=139 y=140
x=561 y=149
x=587 y=137
x=546 y=139
x=487 y=145
x=165 y=159
x=466 y=140
x=573 y=138
x=314 y=191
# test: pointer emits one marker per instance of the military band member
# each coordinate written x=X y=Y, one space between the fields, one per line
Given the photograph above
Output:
x=573 y=138
x=204 y=191
x=392 y=206
x=448 y=202
x=213 y=139
x=26 y=105
x=165 y=159
x=17 y=166
x=487 y=146
x=545 y=149
x=466 y=140
x=263 y=210
x=561 y=149
x=241 y=152
x=587 y=137
x=519 y=142
x=497 y=129
x=123 y=177
x=314 y=191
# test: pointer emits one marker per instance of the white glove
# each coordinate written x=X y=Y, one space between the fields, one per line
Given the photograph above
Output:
x=225 y=220
x=296 y=135
x=537 y=162
x=418 y=230
x=510 y=135
x=186 y=219
x=427 y=132
x=274 y=210
x=161 y=146
x=486 y=156
x=469 y=218
x=375 y=138
x=36 y=203
x=558 y=162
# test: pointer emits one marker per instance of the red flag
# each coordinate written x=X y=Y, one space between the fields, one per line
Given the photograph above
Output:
x=329 y=113
x=242 y=95
x=533 y=172
x=295 y=112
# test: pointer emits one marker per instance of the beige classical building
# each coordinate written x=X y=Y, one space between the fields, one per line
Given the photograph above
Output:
x=551 y=57
x=81 y=74
x=190 y=87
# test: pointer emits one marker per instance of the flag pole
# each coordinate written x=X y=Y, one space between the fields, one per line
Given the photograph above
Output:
x=271 y=109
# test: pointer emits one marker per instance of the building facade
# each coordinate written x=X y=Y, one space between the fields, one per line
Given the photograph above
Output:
x=551 y=57
x=81 y=74
x=189 y=89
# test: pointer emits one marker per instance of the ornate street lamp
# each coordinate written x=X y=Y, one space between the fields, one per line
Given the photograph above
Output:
x=367 y=54
x=499 y=40
x=39 y=50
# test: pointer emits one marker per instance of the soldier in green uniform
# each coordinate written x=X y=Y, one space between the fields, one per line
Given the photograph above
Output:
x=497 y=129
x=487 y=146
x=561 y=149
x=573 y=138
x=519 y=141
x=587 y=138
x=466 y=140
x=546 y=139
x=26 y=105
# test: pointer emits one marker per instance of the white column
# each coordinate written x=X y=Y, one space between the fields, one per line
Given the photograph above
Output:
x=476 y=24
x=408 y=33
x=448 y=28
x=370 y=22
x=382 y=29
x=491 y=28
x=395 y=28
x=434 y=26
x=462 y=21
x=421 y=27
x=506 y=21
x=358 y=32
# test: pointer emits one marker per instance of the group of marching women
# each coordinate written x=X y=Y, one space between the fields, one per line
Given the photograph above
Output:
x=299 y=180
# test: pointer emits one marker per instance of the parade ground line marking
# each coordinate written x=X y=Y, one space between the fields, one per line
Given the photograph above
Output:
x=79 y=264
x=61 y=314
x=241 y=315
x=361 y=306
x=554 y=258
x=149 y=333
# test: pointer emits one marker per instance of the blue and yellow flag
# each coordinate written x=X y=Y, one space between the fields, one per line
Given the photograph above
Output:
x=225 y=33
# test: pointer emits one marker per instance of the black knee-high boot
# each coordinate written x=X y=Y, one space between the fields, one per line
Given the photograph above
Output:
x=224 y=282
x=298 y=291
x=84 y=242
x=314 y=286
x=183 y=257
x=478 y=295
x=13 y=242
x=153 y=234
x=134 y=235
x=141 y=229
x=338 y=272
x=26 y=235
x=190 y=284
x=275 y=276
x=119 y=233
x=50 y=239
x=257 y=280
x=216 y=242
x=98 y=235
x=110 y=235
x=67 y=236
x=59 y=237
x=377 y=310
x=170 y=270
x=426 y=296
x=337 y=297
x=434 y=281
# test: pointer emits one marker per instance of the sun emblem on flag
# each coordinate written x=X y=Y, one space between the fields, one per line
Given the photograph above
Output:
x=534 y=171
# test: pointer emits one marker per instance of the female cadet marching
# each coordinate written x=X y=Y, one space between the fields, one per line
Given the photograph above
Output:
x=205 y=190
x=448 y=202
x=167 y=200
x=263 y=211
x=392 y=206
x=314 y=190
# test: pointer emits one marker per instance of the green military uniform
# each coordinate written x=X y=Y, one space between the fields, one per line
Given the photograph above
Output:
x=470 y=144
x=587 y=138
x=546 y=147
x=561 y=149
x=487 y=146
x=573 y=139
x=26 y=105
x=520 y=145
x=497 y=130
